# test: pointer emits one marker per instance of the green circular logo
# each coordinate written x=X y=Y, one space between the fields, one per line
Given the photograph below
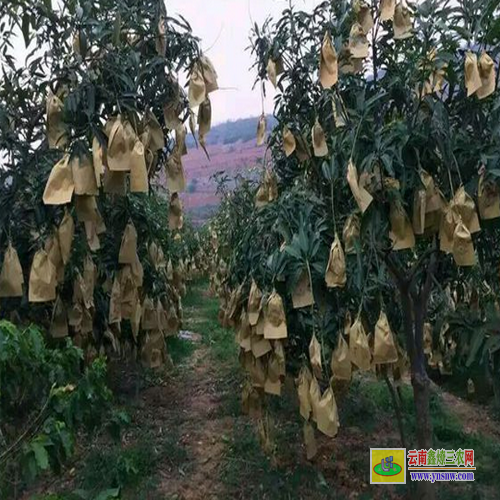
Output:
x=396 y=469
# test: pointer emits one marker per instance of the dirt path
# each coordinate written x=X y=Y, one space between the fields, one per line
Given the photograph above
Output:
x=191 y=402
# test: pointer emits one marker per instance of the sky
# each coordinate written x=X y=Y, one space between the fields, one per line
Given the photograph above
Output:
x=224 y=28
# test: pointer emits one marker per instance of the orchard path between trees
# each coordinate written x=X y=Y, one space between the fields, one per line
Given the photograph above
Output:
x=193 y=442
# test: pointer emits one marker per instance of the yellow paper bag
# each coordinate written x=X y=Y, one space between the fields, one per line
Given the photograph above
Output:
x=302 y=295
x=138 y=171
x=364 y=16
x=60 y=186
x=401 y=232
x=361 y=195
x=11 y=276
x=98 y=160
x=275 y=327
x=42 y=284
x=86 y=209
x=115 y=182
x=303 y=383
x=488 y=76
x=289 y=143
x=327 y=416
x=197 y=92
x=128 y=248
x=83 y=175
x=204 y=118
x=315 y=357
x=328 y=65
x=318 y=139
x=121 y=140
x=387 y=8
x=260 y=346
x=209 y=74
x=154 y=132
x=384 y=350
x=314 y=397
x=463 y=206
x=402 y=23
x=358 y=44
x=358 y=346
x=463 y=248
x=175 y=173
x=335 y=275
x=341 y=360
x=350 y=233
x=254 y=304
x=261 y=130
x=447 y=229
x=473 y=80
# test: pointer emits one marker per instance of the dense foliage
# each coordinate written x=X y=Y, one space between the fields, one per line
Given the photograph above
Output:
x=45 y=399
x=383 y=164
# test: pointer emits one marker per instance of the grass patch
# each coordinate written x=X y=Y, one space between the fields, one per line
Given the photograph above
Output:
x=179 y=349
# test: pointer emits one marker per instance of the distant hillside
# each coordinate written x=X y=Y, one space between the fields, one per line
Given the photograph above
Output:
x=232 y=149
x=234 y=131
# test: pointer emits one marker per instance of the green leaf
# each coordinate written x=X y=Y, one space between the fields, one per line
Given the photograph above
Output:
x=25 y=27
x=41 y=455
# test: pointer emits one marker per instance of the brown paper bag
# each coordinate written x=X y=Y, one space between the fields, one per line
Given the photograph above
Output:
x=341 y=360
x=335 y=275
x=84 y=176
x=384 y=351
x=327 y=414
x=60 y=186
x=59 y=323
x=42 y=284
x=272 y=72
x=387 y=8
x=328 y=64
x=315 y=357
x=362 y=196
x=401 y=232
x=464 y=207
x=402 y=23
x=488 y=76
x=56 y=129
x=175 y=173
x=128 y=248
x=261 y=130
x=289 y=143
x=488 y=199
x=364 y=16
x=310 y=441
x=197 y=91
x=463 y=248
x=254 y=304
x=245 y=333
x=11 y=276
x=319 y=141
x=303 y=383
x=358 y=346
x=350 y=233
x=175 y=219
x=302 y=295
x=157 y=256
x=358 y=44
x=275 y=327
x=138 y=171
